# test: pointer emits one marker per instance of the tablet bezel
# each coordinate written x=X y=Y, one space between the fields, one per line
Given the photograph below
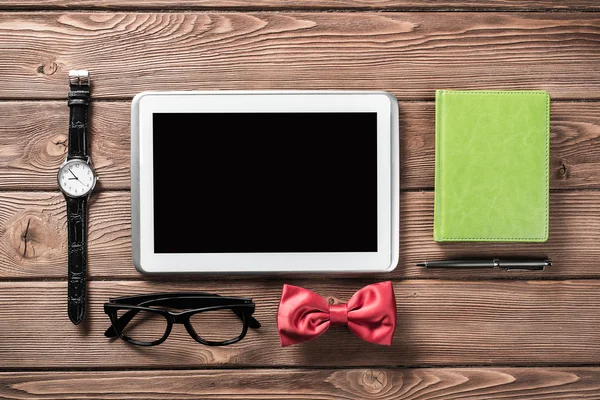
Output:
x=142 y=213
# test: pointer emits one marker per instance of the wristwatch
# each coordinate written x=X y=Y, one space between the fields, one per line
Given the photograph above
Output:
x=76 y=179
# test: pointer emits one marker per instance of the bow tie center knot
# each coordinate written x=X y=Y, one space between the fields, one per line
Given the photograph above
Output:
x=338 y=314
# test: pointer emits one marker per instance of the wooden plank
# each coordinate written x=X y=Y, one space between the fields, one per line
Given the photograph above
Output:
x=409 y=54
x=574 y=145
x=33 y=238
x=322 y=384
x=572 y=246
x=34 y=139
x=34 y=235
x=433 y=5
x=31 y=150
x=440 y=323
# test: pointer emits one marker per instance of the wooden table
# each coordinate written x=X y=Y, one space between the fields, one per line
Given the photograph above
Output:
x=461 y=335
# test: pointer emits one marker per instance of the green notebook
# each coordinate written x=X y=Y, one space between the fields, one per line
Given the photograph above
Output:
x=491 y=166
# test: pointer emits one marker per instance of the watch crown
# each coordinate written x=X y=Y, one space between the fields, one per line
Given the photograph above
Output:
x=79 y=77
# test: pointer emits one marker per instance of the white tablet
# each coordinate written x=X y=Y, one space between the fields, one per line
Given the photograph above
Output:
x=264 y=181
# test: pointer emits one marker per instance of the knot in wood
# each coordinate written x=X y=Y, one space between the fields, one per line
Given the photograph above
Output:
x=332 y=300
x=374 y=381
x=57 y=146
x=48 y=68
x=562 y=171
x=31 y=236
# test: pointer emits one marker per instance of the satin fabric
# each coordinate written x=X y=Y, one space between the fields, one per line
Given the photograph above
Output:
x=370 y=314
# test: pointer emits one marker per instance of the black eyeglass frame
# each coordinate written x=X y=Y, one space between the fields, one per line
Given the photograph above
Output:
x=243 y=308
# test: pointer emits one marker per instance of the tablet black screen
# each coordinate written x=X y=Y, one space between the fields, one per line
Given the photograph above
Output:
x=265 y=182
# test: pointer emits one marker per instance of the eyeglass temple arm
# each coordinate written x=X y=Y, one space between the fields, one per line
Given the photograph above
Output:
x=145 y=298
x=122 y=322
x=189 y=303
x=252 y=322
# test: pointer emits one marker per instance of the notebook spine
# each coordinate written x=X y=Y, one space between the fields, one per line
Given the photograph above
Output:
x=437 y=229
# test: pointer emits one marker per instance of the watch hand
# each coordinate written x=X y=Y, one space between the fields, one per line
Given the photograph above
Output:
x=73 y=175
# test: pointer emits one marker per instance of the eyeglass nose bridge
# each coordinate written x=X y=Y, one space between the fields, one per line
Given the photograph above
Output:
x=179 y=318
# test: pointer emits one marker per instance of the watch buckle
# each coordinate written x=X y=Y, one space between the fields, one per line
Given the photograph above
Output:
x=79 y=77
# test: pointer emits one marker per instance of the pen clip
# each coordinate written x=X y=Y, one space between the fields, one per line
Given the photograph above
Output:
x=528 y=267
x=536 y=268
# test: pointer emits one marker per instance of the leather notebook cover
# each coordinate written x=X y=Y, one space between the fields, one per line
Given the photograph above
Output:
x=491 y=166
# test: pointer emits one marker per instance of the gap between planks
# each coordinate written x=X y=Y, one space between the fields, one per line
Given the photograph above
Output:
x=213 y=368
x=291 y=9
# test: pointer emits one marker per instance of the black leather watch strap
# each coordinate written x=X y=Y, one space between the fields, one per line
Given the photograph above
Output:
x=77 y=233
x=79 y=98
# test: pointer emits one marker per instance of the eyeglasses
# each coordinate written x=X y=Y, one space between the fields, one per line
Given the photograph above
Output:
x=213 y=320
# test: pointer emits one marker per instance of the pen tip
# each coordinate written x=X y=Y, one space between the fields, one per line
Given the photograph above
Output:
x=421 y=264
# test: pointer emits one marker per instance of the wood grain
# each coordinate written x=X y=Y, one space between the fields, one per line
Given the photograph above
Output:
x=574 y=145
x=33 y=238
x=572 y=246
x=365 y=383
x=31 y=150
x=455 y=5
x=34 y=140
x=409 y=54
x=439 y=323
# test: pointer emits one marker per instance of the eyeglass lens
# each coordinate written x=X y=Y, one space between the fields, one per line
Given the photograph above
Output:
x=145 y=326
x=217 y=325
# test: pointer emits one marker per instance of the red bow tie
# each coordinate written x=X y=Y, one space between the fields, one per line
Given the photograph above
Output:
x=370 y=314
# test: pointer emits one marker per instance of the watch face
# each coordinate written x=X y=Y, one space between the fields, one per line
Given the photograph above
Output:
x=76 y=178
